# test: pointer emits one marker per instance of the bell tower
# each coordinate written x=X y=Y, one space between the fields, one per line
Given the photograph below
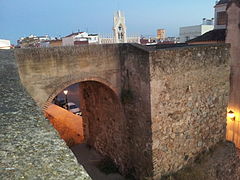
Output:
x=119 y=28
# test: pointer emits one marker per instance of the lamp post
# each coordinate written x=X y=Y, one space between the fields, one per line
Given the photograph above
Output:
x=66 y=100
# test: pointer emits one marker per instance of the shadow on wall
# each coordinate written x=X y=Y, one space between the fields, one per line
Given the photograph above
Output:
x=104 y=123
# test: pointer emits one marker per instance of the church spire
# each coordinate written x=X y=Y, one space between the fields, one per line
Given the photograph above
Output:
x=119 y=28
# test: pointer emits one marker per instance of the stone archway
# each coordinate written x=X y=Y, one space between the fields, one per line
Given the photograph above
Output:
x=66 y=84
x=104 y=122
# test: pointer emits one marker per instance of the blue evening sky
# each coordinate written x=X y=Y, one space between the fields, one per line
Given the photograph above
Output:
x=20 y=18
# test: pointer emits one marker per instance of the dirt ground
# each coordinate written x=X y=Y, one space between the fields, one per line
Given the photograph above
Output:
x=89 y=159
x=220 y=163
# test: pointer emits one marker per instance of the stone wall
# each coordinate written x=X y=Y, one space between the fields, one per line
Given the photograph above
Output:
x=30 y=147
x=45 y=72
x=105 y=126
x=189 y=93
x=135 y=97
x=151 y=111
x=233 y=37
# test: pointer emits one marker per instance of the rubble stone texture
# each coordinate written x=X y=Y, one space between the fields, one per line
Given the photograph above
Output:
x=171 y=103
x=189 y=95
x=220 y=163
x=30 y=147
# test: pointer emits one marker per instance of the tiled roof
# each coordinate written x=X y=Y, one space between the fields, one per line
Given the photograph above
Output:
x=214 y=35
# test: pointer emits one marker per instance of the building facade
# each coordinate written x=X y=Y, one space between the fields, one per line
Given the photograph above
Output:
x=80 y=38
x=220 y=14
x=33 y=41
x=191 y=32
x=161 y=34
x=218 y=34
x=5 y=44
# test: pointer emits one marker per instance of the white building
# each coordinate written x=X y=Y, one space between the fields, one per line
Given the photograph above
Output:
x=221 y=14
x=5 y=44
x=191 y=32
x=93 y=38
x=106 y=39
x=80 y=38
x=44 y=38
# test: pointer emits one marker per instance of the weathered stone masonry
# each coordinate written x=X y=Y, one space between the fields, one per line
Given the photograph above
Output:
x=171 y=102
x=189 y=93
x=30 y=147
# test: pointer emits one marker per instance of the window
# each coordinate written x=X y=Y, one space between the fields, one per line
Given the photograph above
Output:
x=120 y=35
x=221 y=18
x=73 y=107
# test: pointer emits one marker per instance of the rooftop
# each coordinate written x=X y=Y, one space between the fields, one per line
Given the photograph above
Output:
x=222 y=2
x=74 y=34
x=214 y=35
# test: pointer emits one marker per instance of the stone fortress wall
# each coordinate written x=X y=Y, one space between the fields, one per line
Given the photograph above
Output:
x=233 y=37
x=189 y=95
x=172 y=102
x=30 y=147
x=47 y=71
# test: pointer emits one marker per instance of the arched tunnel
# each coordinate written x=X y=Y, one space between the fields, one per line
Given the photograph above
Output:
x=102 y=124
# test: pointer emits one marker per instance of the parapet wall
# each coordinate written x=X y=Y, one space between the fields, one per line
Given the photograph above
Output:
x=189 y=93
x=30 y=148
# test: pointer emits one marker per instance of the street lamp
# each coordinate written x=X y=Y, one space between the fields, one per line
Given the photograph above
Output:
x=231 y=115
x=66 y=100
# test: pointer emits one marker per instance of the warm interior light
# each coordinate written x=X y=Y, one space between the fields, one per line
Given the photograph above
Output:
x=65 y=92
x=231 y=114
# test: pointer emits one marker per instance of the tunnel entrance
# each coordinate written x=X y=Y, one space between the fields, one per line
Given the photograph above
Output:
x=101 y=125
x=104 y=123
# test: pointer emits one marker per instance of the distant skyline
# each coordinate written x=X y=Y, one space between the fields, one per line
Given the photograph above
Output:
x=57 y=18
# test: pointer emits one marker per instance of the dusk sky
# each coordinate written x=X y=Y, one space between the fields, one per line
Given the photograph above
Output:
x=20 y=18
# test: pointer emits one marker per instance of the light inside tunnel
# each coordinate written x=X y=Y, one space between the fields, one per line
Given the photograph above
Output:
x=65 y=92
x=65 y=116
x=231 y=115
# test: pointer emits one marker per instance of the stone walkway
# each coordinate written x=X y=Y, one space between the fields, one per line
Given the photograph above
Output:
x=30 y=147
x=89 y=159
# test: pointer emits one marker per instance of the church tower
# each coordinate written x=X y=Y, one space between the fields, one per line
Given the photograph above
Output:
x=119 y=28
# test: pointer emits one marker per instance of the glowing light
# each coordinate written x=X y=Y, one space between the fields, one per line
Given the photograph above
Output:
x=65 y=92
x=231 y=115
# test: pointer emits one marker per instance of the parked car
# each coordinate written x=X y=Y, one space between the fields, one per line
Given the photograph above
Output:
x=72 y=107
x=59 y=101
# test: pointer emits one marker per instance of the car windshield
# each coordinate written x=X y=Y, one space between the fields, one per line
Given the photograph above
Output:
x=73 y=107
